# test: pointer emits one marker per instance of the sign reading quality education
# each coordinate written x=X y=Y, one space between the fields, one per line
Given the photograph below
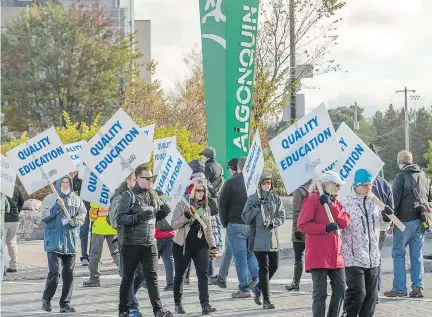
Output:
x=254 y=165
x=93 y=191
x=73 y=149
x=162 y=147
x=116 y=150
x=41 y=160
x=305 y=148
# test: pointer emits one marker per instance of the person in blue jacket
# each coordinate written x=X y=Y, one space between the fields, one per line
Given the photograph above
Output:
x=60 y=241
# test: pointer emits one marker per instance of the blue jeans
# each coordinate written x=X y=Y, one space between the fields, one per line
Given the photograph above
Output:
x=381 y=244
x=413 y=236
x=244 y=259
x=164 y=246
x=226 y=261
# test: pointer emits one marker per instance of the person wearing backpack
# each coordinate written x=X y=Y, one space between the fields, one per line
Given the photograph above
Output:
x=412 y=190
x=137 y=219
x=164 y=234
x=213 y=171
x=101 y=231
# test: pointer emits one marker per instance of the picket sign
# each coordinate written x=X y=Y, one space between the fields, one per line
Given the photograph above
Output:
x=354 y=155
x=149 y=131
x=173 y=178
x=73 y=149
x=93 y=191
x=116 y=150
x=162 y=147
x=254 y=165
x=82 y=170
x=326 y=207
x=393 y=218
x=305 y=148
x=196 y=216
x=41 y=161
x=8 y=177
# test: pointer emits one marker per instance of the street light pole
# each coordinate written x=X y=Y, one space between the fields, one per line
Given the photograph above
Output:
x=292 y=86
x=407 y=143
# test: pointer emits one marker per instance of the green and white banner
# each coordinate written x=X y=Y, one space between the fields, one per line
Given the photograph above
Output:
x=228 y=34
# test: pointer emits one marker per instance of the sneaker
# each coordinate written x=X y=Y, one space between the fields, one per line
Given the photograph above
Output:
x=92 y=282
x=416 y=292
x=84 y=262
x=123 y=314
x=169 y=287
x=67 y=309
x=292 y=287
x=212 y=280
x=220 y=282
x=9 y=270
x=257 y=296
x=241 y=294
x=163 y=313
x=268 y=305
x=179 y=309
x=46 y=305
x=135 y=314
x=392 y=293
x=207 y=309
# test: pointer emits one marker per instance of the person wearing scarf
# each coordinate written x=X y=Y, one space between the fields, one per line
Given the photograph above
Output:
x=60 y=241
x=193 y=242
x=264 y=213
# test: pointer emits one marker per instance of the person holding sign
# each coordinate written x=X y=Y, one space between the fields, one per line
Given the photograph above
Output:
x=264 y=213
x=360 y=247
x=60 y=241
x=323 y=250
x=137 y=218
x=193 y=242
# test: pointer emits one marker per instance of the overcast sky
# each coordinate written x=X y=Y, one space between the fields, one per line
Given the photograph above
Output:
x=384 y=45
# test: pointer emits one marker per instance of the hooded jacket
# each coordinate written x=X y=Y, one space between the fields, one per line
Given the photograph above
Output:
x=232 y=200
x=263 y=207
x=214 y=174
x=60 y=236
x=299 y=196
x=15 y=205
x=410 y=178
x=360 y=238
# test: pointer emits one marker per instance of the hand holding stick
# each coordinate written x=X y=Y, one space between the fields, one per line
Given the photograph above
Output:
x=61 y=202
x=196 y=216
x=393 y=218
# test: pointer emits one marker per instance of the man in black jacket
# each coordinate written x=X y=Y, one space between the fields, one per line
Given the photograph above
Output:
x=11 y=227
x=232 y=201
x=411 y=189
x=213 y=170
x=137 y=219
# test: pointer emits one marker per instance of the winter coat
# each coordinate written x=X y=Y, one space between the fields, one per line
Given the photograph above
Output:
x=182 y=224
x=323 y=250
x=360 y=239
x=410 y=178
x=232 y=200
x=15 y=205
x=134 y=232
x=100 y=225
x=214 y=174
x=382 y=190
x=60 y=236
x=263 y=238
x=217 y=231
x=299 y=196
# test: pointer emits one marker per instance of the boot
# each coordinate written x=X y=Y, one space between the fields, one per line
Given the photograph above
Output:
x=208 y=309
x=268 y=305
x=46 y=305
x=295 y=285
x=92 y=282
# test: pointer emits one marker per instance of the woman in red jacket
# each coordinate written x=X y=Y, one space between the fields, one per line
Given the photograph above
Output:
x=323 y=251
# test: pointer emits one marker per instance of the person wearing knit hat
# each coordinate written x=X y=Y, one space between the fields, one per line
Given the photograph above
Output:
x=360 y=246
x=213 y=171
x=232 y=166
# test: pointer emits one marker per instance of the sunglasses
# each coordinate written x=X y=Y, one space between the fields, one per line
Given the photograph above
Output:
x=150 y=179
x=200 y=190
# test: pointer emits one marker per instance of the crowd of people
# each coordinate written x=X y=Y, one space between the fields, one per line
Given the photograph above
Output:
x=339 y=239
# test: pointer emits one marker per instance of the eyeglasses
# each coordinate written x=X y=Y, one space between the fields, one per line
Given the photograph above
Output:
x=150 y=179
x=200 y=190
x=266 y=183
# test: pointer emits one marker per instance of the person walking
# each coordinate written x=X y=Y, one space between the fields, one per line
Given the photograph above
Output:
x=11 y=224
x=227 y=256
x=164 y=235
x=360 y=247
x=323 y=250
x=412 y=189
x=60 y=241
x=298 y=238
x=232 y=201
x=264 y=213
x=101 y=231
x=138 y=211
x=193 y=242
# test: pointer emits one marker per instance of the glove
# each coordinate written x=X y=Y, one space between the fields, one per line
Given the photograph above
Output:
x=213 y=253
x=325 y=199
x=145 y=216
x=387 y=211
x=73 y=223
x=331 y=227
x=298 y=235
x=190 y=212
x=163 y=212
x=159 y=192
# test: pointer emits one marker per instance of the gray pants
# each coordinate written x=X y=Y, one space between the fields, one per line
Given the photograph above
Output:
x=337 y=282
x=96 y=252
x=10 y=232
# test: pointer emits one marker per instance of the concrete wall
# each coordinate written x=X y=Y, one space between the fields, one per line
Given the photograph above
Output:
x=143 y=45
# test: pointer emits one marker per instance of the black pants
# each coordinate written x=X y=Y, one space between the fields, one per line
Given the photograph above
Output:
x=319 y=296
x=268 y=263
x=200 y=258
x=68 y=264
x=147 y=255
x=362 y=292
x=299 y=248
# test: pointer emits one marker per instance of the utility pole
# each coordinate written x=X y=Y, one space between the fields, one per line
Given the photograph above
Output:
x=407 y=140
x=292 y=82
